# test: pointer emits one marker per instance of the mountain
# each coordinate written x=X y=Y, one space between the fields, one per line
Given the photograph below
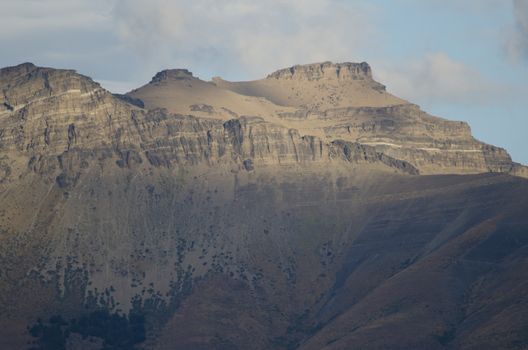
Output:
x=307 y=210
x=335 y=102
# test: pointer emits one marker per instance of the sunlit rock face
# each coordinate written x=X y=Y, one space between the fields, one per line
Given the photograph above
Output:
x=307 y=210
x=326 y=70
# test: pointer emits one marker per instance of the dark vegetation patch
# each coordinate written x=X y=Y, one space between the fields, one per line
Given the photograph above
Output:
x=8 y=107
x=117 y=332
x=447 y=336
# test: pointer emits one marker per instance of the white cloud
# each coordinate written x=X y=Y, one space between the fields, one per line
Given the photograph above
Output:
x=127 y=41
x=27 y=16
x=243 y=36
x=436 y=78
x=517 y=42
x=457 y=5
x=248 y=39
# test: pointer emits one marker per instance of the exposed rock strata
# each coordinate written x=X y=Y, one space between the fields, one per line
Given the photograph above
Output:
x=396 y=128
x=57 y=113
x=326 y=70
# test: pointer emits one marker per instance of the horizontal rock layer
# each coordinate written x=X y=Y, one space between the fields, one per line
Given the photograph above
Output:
x=48 y=112
x=326 y=70
x=55 y=112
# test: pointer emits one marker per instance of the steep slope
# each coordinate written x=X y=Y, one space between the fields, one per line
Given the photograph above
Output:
x=222 y=231
x=442 y=297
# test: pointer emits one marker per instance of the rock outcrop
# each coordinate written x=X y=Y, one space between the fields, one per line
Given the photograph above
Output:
x=433 y=145
x=343 y=102
x=58 y=114
x=326 y=70
x=172 y=74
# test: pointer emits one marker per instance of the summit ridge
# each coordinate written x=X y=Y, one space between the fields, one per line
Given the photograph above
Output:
x=325 y=70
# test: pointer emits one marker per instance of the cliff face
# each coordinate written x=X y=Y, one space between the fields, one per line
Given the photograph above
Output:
x=342 y=102
x=56 y=114
x=431 y=144
x=326 y=70
x=47 y=112
x=172 y=74
x=52 y=111
x=278 y=214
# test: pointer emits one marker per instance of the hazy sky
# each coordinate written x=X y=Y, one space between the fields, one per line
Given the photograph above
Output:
x=459 y=59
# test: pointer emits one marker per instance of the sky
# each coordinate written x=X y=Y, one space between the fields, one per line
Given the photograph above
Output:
x=458 y=59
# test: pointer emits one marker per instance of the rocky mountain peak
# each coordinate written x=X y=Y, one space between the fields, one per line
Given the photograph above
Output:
x=172 y=74
x=26 y=82
x=20 y=68
x=325 y=70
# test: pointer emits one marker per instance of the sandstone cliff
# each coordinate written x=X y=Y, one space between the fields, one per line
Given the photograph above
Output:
x=340 y=101
x=55 y=115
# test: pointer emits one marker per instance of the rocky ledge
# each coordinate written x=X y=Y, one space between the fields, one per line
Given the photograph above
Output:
x=172 y=74
x=49 y=115
x=325 y=70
